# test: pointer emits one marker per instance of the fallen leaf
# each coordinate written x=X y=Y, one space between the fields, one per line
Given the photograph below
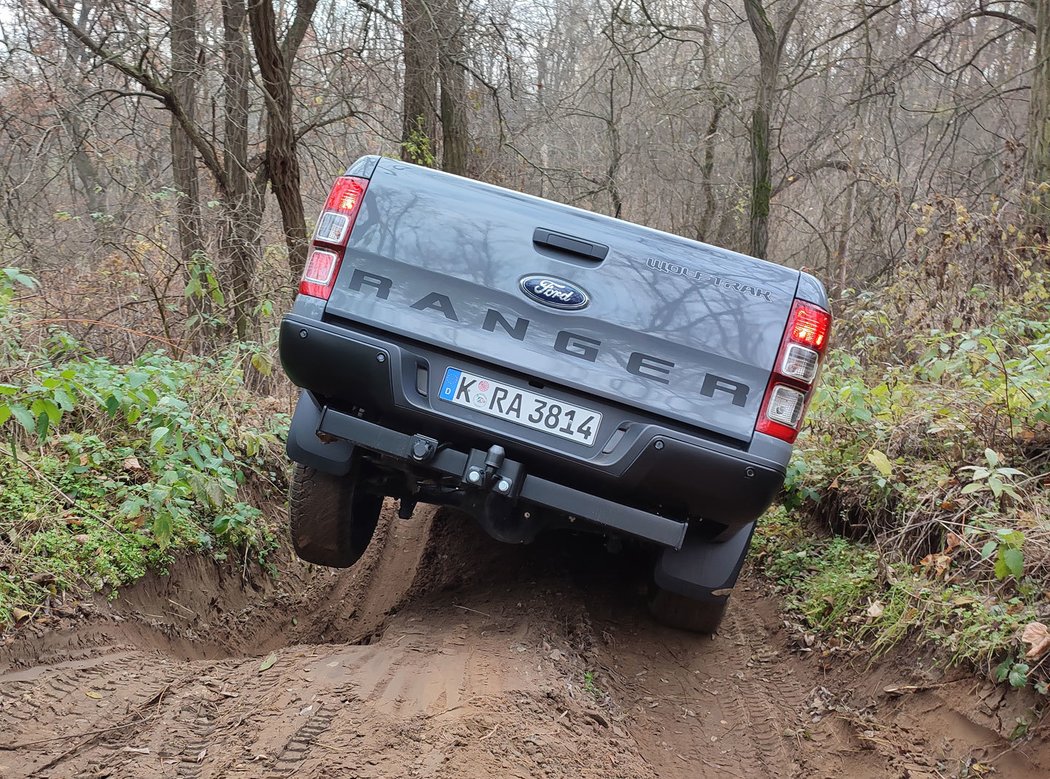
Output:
x=875 y=609
x=954 y=540
x=93 y=694
x=132 y=464
x=938 y=562
x=20 y=614
x=268 y=662
x=1036 y=634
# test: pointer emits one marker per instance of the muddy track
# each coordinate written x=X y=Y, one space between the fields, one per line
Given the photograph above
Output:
x=442 y=654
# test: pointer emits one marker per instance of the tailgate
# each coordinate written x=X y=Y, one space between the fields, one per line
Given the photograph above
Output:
x=679 y=328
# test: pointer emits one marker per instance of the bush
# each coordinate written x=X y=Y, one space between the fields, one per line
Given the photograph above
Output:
x=111 y=469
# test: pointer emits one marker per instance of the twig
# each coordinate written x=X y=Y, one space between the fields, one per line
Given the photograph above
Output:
x=490 y=733
x=88 y=734
x=99 y=323
x=467 y=608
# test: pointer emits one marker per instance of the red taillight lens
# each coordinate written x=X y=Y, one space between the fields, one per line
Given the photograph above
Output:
x=798 y=363
x=809 y=325
x=331 y=234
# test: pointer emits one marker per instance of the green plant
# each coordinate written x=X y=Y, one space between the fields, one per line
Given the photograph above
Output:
x=112 y=468
x=1013 y=672
x=1007 y=549
x=992 y=477
x=590 y=687
x=418 y=146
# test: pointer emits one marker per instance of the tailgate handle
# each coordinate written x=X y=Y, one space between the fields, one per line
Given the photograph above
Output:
x=571 y=244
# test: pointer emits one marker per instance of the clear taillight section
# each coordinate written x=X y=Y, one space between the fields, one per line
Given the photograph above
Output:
x=798 y=363
x=330 y=236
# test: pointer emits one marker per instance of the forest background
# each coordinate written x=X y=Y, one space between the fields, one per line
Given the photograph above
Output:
x=161 y=164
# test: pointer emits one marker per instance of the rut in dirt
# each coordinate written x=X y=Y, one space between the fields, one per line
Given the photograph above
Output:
x=443 y=654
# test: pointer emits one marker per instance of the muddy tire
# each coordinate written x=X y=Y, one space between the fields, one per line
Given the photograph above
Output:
x=332 y=518
x=678 y=611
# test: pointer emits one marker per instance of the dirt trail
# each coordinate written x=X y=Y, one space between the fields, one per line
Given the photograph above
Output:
x=445 y=655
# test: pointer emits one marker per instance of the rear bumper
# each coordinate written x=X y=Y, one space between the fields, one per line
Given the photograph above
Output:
x=508 y=479
x=647 y=471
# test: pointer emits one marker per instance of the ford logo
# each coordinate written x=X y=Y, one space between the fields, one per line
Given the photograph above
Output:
x=556 y=293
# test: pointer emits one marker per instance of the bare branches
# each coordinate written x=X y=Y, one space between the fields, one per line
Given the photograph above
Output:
x=139 y=73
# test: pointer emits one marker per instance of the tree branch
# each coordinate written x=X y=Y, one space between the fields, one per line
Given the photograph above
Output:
x=150 y=84
x=304 y=13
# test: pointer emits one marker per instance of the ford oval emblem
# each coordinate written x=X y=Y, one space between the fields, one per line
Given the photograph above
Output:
x=556 y=293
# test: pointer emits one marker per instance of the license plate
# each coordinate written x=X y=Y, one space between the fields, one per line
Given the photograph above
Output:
x=538 y=412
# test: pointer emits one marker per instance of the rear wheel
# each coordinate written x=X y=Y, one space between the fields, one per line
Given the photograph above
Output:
x=332 y=518
x=679 y=611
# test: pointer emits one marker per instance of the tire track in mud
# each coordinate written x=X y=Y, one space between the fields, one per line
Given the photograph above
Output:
x=768 y=703
x=707 y=707
x=299 y=745
x=471 y=660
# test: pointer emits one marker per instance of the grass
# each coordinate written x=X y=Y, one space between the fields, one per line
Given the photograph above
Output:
x=846 y=592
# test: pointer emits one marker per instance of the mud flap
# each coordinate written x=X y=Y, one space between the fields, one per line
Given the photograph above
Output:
x=704 y=570
x=306 y=448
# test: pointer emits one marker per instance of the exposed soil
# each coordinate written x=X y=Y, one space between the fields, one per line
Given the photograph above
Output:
x=444 y=654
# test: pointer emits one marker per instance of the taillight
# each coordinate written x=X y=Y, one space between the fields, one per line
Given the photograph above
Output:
x=331 y=234
x=798 y=363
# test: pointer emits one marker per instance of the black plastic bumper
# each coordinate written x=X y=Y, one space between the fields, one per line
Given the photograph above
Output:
x=507 y=479
x=645 y=466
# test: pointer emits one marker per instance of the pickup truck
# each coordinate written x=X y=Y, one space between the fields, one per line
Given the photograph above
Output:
x=542 y=367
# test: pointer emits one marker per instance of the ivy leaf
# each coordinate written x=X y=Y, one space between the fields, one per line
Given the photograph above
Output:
x=881 y=462
x=1003 y=670
x=1018 y=675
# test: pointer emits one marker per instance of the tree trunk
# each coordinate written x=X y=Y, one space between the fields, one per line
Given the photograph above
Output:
x=242 y=204
x=455 y=140
x=282 y=163
x=770 y=47
x=84 y=166
x=419 y=125
x=761 y=175
x=189 y=224
x=1038 y=168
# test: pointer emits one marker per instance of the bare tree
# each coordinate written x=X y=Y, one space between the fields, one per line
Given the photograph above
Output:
x=770 y=40
x=1039 y=117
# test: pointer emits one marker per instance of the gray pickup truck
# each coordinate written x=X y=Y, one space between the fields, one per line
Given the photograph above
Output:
x=541 y=367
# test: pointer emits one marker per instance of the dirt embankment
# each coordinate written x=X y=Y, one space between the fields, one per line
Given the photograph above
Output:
x=445 y=655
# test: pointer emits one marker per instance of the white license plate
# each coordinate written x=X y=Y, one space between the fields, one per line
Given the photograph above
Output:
x=521 y=406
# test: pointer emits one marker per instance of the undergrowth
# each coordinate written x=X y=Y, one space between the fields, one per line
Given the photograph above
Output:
x=851 y=595
x=109 y=470
x=927 y=457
